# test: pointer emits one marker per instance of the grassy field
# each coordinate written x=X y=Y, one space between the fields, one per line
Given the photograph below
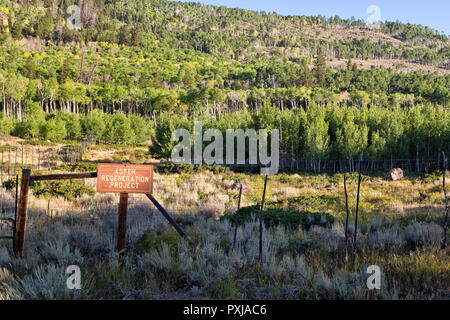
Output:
x=400 y=230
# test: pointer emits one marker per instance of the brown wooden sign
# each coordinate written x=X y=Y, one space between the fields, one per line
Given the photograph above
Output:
x=115 y=178
x=124 y=178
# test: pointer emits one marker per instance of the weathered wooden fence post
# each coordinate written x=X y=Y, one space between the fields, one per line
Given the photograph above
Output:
x=21 y=222
x=16 y=203
x=122 y=225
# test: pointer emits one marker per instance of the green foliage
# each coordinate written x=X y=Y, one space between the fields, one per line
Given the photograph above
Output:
x=316 y=137
x=34 y=118
x=83 y=167
x=94 y=124
x=54 y=128
x=275 y=216
x=67 y=189
x=163 y=75
x=330 y=132
x=118 y=129
x=172 y=65
x=6 y=125
x=140 y=128
x=149 y=241
x=162 y=141
x=319 y=70
x=10 y=184
x=189 y=169
x=73 y=126
x=431 y=177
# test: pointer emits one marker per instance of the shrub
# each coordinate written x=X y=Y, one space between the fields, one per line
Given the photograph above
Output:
x=118 y=129
x=423 y=234
x=83 y=167
x=150 y=241
x=60 y=253
x=6 y=125
x=93 y=124
x=158 y=259
x=54 y=128
x=140 y=127
x=275 y=216
x=46 y=283
x=225 y=289
x=33 y=118
x=73 y=125
x=431 y=177
x=10 y=184
x=67 y=189
x=162 y=139
x=8 y=286
x=190 y=168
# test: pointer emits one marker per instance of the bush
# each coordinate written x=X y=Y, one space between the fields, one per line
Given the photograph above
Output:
x=73 y=126
x=431 y=177
x=190 y=168
x=6 y=125
x=118 y=129
x=54 y=128
x=162 y=139
x=150 y=241
x=46 y=283
x=423 y=234
x=276 y=216
x=34 y=117
x=140 y=127
x=10 y=184
x=83 y=167
x=67 y=189
x=93 y=124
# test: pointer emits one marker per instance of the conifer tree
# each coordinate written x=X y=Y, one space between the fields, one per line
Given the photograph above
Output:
x=319 y=70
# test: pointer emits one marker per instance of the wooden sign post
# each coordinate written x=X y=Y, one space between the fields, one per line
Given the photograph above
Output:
x=122 y=225
x=111 y=178
x=124 y=179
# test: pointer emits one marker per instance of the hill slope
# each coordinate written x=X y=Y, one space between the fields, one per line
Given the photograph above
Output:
x=231 y=33
x=154 y=56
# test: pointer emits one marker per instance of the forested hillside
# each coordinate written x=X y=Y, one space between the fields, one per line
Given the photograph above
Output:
x=172 y=62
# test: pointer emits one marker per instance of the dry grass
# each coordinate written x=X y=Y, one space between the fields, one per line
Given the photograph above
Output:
x=398 y=231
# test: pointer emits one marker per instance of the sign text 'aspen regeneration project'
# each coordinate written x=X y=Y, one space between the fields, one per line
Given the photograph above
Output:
x=124 y=178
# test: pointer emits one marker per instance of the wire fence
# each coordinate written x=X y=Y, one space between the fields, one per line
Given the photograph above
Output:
x=18 y=156
x=340 y=166
x=407 y=165
x=15 y=156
